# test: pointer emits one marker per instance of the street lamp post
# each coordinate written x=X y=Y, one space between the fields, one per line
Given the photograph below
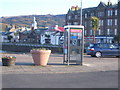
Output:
x=118 y=21
x=81 y=14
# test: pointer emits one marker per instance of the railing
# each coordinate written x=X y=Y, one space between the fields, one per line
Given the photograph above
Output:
x=34 y=45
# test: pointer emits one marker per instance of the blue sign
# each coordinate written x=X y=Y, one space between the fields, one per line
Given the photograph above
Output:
x=73 y=37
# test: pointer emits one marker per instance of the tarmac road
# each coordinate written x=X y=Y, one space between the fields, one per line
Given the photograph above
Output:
x=71 y=80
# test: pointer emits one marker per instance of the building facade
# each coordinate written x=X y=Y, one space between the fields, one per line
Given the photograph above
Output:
x=119 y=21
x=108 y=23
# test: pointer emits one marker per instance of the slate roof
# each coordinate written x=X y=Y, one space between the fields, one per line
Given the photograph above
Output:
x=101 y=5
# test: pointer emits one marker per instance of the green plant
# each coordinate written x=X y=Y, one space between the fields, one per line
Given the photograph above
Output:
x=95 y=26
x=9 y=37
x=46 y=35
x=40 y=49
x=8 y=57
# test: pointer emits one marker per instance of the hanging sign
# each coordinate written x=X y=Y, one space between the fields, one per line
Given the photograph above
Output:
x=76 y=30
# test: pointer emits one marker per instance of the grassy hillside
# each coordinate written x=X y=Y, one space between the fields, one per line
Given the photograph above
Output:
x=4 y=27
x=42 y=20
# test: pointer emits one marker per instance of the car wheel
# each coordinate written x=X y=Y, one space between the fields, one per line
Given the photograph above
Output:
x=98 y=54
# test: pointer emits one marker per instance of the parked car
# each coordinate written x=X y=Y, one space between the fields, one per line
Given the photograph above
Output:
x=103 y=49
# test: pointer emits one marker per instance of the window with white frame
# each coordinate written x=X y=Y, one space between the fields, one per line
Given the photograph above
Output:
x=109 y=22
x=76 y=16
x=116 y=12
x=115 y=31
x=90 y=23
x=91 y=32
x=101 y=22
x=85 y=15
x=108 y=31
x=69 y=17
x=110 y=12
x=99 y=32
x=100 y=14
x=115 y=21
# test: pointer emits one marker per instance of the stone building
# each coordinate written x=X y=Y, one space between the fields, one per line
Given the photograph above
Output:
x=119 y=21
x=108 y=23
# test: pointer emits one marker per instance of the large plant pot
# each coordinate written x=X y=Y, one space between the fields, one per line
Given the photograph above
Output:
x=8 y=62
x=40 y=57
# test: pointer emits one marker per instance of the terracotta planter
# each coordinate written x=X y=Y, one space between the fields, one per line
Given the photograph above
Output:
x=8 y=62
x=40 y=57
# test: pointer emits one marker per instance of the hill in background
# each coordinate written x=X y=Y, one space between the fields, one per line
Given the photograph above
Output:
x=42 y=20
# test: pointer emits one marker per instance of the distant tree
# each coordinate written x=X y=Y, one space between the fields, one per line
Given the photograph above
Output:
x=95 y=26
x=9 y=37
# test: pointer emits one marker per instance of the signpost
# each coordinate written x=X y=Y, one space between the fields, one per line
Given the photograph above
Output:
x=73 y=44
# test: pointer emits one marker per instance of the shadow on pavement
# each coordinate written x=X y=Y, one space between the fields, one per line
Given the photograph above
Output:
x=60 y=64
x=23 y=63
x=88 y=56
x=56 y=55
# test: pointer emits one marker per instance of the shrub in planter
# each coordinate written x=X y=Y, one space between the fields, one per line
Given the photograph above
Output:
x=8 y=60
x=40 y=56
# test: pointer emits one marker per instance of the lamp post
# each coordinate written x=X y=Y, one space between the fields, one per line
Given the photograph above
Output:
x=118 y=21
x=81 y=14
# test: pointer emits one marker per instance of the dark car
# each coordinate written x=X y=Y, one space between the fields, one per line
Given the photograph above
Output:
x=103 y=49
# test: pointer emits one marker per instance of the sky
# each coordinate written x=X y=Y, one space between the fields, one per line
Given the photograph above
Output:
x=43 y=7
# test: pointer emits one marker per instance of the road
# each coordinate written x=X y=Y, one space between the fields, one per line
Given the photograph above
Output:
x=77 y=80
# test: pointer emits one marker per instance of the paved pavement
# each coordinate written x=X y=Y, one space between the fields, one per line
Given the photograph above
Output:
x=25 y=65
x=95 y=73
